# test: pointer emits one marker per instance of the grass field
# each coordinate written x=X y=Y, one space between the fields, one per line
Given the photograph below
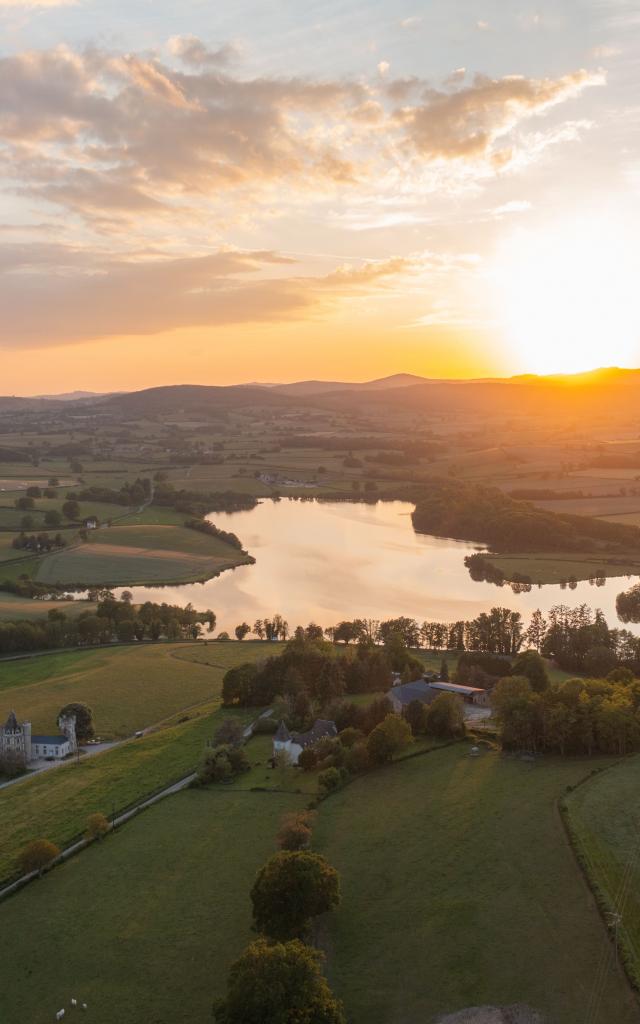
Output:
x=556 y=568
x=122 y=555
x=7 y=552
x=458 y=887
x=460 y=890
x=14 y=607
x=605 y=818
x=55 y=804
x=167 y=912
x=128 y=688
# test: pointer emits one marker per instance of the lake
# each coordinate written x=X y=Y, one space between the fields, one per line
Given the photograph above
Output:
x=323 y=562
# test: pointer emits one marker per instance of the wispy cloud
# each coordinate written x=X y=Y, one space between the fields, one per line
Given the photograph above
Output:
x=54 y=294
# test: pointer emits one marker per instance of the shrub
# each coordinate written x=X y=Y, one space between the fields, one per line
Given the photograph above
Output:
x=36 y=855
x=308 y=759
x=331 y=779
x=222 y=764
x=97 y=826
x=295 y=831
x=350 y=736
x=358 y=761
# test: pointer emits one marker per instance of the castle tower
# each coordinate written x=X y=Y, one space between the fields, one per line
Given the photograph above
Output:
x=67 y=726
x=26 y=738
x=15 y=741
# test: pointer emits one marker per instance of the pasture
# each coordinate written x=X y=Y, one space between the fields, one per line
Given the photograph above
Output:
x=473 y=854
x=604 y=817
x=55 y=804
x=174 y=880
x=129 y=688
x=143 y=554
x=554 y=568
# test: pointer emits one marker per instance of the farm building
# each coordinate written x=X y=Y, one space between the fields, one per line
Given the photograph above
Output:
x=293 y=743
x=426 y=692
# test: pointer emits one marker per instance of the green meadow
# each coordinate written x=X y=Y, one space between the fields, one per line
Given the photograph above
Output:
x=459 y=888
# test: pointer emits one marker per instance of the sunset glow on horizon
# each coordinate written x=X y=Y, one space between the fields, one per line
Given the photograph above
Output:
x=340 y=191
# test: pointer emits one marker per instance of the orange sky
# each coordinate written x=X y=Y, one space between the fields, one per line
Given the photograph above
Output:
x=329 y=190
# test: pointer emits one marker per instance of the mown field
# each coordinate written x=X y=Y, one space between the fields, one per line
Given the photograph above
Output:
x=128 y=688
x=128 y=555
x=460 y=889
x=166 y=911
x=604 y=816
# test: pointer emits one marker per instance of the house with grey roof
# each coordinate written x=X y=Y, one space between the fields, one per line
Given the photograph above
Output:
x=293 y=743
x=426 y=692
x=403 y=695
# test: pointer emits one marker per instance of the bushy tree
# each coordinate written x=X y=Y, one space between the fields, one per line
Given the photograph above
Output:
x=445 y=717
x=278 y=983
x=222 y=764
x=295 y=831
x=388 y=738
x=416 y=715
x=290 y=889
x=599 y=661
x=531 y=665
x=85 y=729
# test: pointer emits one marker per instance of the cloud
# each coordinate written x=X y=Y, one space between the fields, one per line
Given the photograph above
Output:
x=411 y=22
x=192 y=51
x=54 y=294
x=122 y=138
x=27 y=4
x=466 y=123
x=513 y=206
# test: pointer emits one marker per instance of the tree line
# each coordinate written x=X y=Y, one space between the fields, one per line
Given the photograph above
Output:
x=113 y=620
x=450 y=508
x=579 y=716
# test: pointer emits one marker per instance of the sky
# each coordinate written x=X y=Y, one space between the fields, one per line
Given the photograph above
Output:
x=212 y=193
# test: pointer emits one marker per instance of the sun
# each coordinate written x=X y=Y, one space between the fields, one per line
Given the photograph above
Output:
x=568 y=296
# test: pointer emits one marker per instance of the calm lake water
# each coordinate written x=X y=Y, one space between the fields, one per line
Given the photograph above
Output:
x=323 y=562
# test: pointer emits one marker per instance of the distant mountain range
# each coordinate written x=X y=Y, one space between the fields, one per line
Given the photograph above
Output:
x=580 y=394
x=71 y=396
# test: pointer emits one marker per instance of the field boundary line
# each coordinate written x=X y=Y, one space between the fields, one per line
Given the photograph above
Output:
x=604 y=903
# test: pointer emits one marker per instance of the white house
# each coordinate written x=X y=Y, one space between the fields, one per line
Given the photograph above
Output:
x=21 y=746
x=292 y=744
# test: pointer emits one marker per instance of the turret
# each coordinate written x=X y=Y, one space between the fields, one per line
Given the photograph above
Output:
x=67 y=726
x=26 y=736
